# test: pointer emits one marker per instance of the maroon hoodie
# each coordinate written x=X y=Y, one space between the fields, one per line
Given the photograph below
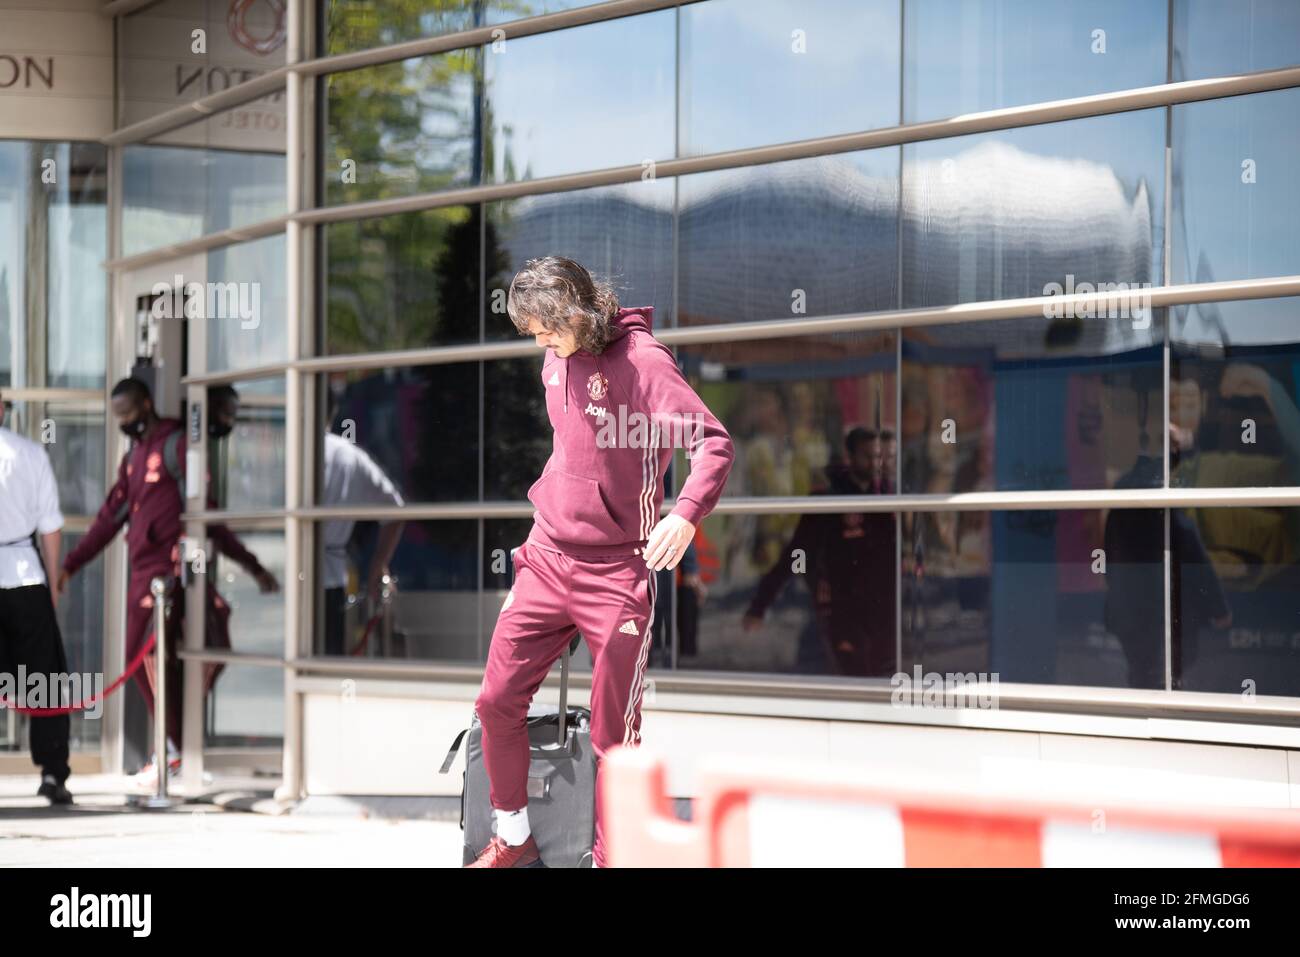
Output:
x=149 y=501
x=617 y=418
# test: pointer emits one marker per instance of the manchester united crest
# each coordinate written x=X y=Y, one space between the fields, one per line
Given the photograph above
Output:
x=597 y=386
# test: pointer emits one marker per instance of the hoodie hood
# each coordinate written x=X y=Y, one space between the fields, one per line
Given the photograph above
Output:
x=625 y=320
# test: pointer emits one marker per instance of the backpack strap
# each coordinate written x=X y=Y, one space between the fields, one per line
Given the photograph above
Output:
x=172 y=458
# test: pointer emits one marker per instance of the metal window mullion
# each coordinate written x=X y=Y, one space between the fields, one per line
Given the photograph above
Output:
x=209 y=241
x=1014 y=117
x=1004 y=501
x=1161 y=297
x=292 y=766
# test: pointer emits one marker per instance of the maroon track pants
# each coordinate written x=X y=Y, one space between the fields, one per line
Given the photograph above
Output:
x=611 y=601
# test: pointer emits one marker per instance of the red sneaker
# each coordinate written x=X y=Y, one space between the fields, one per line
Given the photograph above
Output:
x=500 y=854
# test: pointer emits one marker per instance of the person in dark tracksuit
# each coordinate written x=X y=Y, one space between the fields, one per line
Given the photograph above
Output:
x=29 y=628
x=148 y=498
x=850 y=568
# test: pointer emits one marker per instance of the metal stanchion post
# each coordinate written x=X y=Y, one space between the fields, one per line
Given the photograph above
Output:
x=159 y=799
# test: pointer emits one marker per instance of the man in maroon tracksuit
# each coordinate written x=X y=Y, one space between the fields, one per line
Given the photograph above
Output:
x=147 y=497
x=618 y=405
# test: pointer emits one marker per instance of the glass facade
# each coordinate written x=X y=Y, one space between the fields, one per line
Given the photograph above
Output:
x=1034 y=404
x=412 y=567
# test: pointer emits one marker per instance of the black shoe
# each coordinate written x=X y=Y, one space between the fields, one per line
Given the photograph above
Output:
x=53 y=791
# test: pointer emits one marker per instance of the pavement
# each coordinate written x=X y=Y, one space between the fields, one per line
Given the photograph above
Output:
x=232 y=822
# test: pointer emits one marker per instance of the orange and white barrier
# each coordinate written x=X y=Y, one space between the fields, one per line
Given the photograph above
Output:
x=749 y=817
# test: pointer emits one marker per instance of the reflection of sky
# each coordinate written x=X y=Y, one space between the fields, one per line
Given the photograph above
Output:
x=977 y=55
x=1219 y=39
x=230 y=344
x=742 y=84
x=1224 y=228
x=13 y=230
x=585 y=98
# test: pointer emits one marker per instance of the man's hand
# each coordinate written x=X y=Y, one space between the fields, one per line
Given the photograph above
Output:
x=62 y=584
x=751 y=623
x=266 y=582
x=668 y=542
x=375 y=584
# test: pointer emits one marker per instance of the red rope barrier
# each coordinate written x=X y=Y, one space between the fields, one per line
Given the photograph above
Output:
x=365 y=637
x=51 y=712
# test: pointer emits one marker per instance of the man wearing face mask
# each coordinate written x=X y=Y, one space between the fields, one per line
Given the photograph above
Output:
x=148 y=498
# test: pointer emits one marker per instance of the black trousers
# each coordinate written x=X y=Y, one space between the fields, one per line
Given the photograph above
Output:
x=30 y=637
x=336 y=602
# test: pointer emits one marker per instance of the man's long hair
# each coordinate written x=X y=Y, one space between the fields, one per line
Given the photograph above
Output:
x=561 y=295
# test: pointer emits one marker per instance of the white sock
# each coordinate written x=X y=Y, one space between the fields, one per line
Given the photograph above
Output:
x=512 y=826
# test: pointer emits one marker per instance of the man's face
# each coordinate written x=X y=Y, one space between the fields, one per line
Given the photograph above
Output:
x=563 y=343
x=130 y=414
x=222 y=418
x=863 y=458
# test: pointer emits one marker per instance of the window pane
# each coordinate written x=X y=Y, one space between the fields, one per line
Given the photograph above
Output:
x=623 y=234
x=1007 y=215
x=514 y=419
x=412 y=433
x=1072 y=597
x=788 y=594
x=74 y=438
x=402 y=282
x=223 y=172
x=247 y=466
x=246 y=304
x=245 y=708
x=53 y=240
x=988 y=54
x=567 y=102
x=1236 y=598
x=157 y=65
x=807 y=416
x=401 y=128
x=15 y=177
x=1034 y=404
x=1234 y=394
x=77 y=243
x=818 y=67
x=430 y=608
x=363 y=24
x=807 y=237
x=1219 y=39
x=239 y=616
x=1236 y=198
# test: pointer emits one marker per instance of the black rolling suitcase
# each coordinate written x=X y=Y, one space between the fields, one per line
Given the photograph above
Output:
x=561 y=779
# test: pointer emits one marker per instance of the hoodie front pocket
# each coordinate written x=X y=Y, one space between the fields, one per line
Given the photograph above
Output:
x=575 y=508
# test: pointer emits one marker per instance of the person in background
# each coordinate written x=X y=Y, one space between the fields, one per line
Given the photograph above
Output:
x=148 y=497
x=352 y=477
x=849 y=567
x=29 y=629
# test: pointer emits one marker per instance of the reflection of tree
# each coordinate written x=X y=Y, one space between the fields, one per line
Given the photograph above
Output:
x=408 y=129
x=362 y=24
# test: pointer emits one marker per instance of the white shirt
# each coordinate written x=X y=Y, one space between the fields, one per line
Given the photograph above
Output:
x=29 y=501
x=351 y=478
